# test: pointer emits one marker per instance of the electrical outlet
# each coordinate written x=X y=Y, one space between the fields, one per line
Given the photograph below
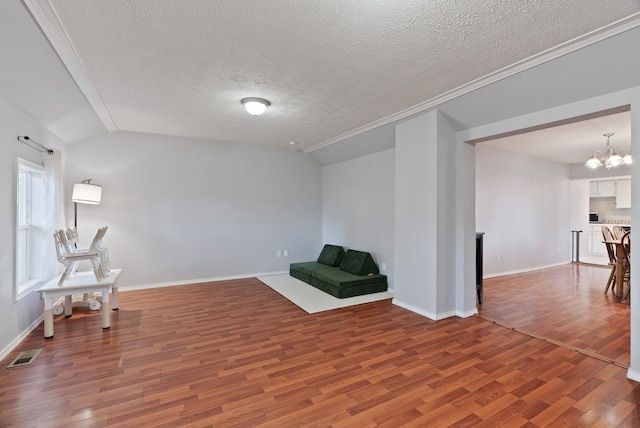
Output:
x=498 y=256
x=285 y=253
x=383 y=267
x=278 y=253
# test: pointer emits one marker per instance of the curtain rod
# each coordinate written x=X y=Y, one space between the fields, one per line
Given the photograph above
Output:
x=28 y=141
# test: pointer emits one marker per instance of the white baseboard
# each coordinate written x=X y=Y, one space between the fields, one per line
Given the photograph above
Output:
x=412 y=308
x=531 y=269
x=11 y=346
x=633 y=375
x=432 y=316
x=197 y=281
x=467 y=314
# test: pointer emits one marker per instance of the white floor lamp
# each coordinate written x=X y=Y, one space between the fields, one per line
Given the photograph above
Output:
x=84 y=193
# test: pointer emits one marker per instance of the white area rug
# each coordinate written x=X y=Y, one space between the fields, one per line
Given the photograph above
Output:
x=311 y=299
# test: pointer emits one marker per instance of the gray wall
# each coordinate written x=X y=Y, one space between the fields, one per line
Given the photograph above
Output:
x=16 y=318
x=523 y=206
x=425 y=216
x=180 y=210
x=358 y=206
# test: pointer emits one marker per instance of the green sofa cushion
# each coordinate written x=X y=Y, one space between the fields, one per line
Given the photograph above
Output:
x=299 y=275
x=331 y=255
x=340 y=278
x=338 y=281
x=343 y=292
x=358 y=263
x=307 y=267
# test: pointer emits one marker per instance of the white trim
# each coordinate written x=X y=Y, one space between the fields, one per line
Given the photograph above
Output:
x=27 y=288
x=48 y=20
x=633 y=375
x=531 y=269
x=550 y=54
x=467 y=314
x=15 y=342
x=22 y=288
x=432 y=316
x=197 y=281
x=412 y=308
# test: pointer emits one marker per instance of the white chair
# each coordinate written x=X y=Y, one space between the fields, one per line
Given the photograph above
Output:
x=103 y=252
x=69 y=253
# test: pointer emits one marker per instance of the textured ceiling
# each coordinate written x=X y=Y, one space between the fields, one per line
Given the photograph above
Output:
x=570 y=143
x=328 y=67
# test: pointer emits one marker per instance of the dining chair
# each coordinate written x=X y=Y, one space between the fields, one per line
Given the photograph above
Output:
x=611 y=251
x=69 y=254
x=618 y=231
x=626 y=247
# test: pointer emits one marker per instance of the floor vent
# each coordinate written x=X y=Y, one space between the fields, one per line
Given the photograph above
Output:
x=25 y=358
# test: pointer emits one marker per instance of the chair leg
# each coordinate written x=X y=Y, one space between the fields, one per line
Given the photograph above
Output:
x=611 y=280
x=627 y=280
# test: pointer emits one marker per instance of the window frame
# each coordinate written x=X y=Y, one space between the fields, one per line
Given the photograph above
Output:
x=33 y=267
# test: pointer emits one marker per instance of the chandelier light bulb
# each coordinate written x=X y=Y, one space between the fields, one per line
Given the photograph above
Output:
x=593 y=162
x=610 y=159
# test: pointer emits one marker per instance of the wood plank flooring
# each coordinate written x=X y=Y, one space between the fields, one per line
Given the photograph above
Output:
x=565 y=304
x=237 y=354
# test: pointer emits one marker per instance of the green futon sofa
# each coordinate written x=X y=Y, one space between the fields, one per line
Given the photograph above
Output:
x=341 y=274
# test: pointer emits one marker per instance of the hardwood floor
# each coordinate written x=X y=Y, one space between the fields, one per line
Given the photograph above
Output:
x=237 y=354
x=565 y=304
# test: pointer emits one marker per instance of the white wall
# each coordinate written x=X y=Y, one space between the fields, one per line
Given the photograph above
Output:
x=425 y=216
x=16 y=318
x=634 y=369
x=523 y=206
x=579 y=221
x=446 y=221
x=183 y=209
x=416 y=215
x=358 y=206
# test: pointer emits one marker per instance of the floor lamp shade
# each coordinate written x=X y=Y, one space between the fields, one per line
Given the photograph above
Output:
x=84 y=193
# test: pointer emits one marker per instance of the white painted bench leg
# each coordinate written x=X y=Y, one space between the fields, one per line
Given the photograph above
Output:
x=68 y=306
x=114 y=298
x=106 y=313
x=48 y=318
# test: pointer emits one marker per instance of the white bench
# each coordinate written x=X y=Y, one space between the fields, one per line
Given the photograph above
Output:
x=79 y=283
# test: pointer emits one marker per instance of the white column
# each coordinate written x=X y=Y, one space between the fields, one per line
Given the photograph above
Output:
x=425 y=235
x=634 y=369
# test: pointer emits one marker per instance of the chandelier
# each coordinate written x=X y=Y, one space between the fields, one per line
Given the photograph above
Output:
x=611 y=158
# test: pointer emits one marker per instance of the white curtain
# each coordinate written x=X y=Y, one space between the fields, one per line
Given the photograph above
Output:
x=54 y=217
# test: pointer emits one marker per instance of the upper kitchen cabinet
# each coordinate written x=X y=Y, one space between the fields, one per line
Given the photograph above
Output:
x=601 y=189
x=623 y=194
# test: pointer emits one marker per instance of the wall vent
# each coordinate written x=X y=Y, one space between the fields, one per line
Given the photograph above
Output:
x=25 y=357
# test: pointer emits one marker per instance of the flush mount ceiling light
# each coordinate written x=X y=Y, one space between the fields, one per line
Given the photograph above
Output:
x=255 y=106
x=611 y=158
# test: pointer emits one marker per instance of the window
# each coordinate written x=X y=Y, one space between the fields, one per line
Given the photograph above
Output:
x=29 y=228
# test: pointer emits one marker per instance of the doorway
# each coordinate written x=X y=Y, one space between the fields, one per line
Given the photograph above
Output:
x=527 y=210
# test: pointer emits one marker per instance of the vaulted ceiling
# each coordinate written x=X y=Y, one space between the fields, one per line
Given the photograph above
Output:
x=330 y=68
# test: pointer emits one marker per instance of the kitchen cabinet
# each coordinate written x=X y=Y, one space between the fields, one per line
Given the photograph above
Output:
x=623 y=194
x=596 y=247
x=602 y=189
